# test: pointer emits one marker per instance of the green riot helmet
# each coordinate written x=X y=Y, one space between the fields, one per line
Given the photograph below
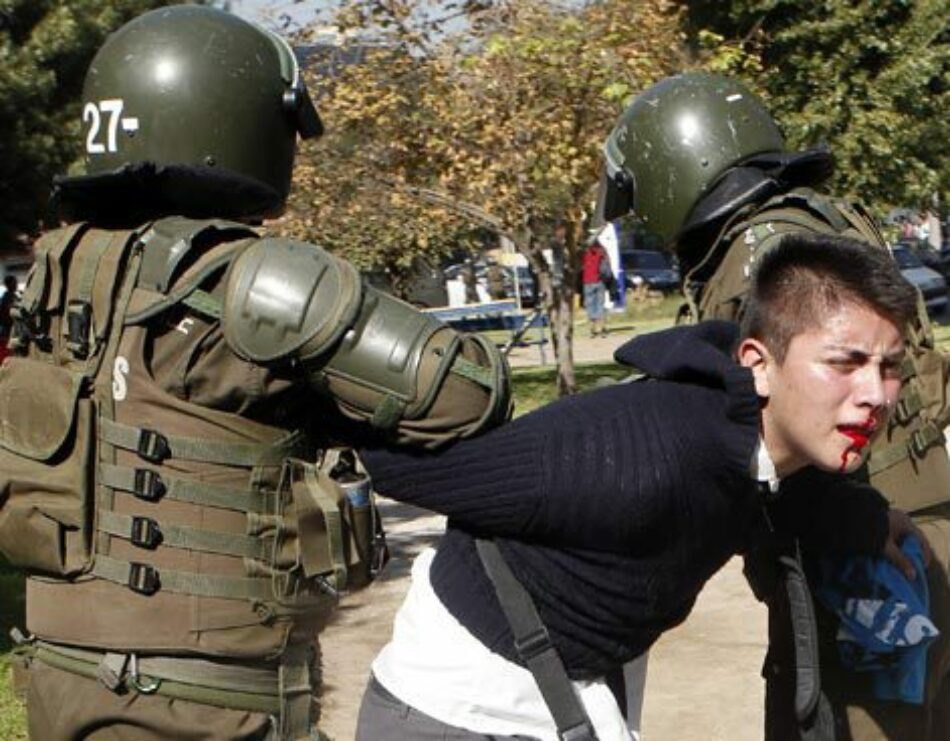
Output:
x=674 y=142
x=193 y=110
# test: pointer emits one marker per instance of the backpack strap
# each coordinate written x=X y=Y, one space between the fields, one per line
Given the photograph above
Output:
x=533 y=644
x=170 y=242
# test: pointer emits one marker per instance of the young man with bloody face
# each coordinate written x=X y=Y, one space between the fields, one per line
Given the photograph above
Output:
x=613 y=508
x=828 y=370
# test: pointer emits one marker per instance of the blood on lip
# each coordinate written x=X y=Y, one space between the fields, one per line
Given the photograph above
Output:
x=859 y=436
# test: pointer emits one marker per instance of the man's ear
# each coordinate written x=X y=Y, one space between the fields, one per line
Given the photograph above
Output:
x=755 y=356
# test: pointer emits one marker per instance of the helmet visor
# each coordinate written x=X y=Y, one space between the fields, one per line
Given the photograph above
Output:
x=297 y=100
x=615 y=194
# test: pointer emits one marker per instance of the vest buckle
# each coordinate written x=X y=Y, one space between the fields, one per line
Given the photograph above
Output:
x=145 y=533
x=144 y=579
x=79 y=324
x=148 y=485
x=153 y=446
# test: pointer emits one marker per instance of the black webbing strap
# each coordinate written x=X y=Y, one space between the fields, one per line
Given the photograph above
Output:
x=805 y=632
x=534 y=646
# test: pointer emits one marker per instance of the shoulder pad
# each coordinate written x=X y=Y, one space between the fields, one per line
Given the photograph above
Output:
x=286 y=298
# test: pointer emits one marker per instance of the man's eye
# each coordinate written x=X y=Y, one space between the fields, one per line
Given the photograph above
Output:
x=891 y=369
x=843 y=364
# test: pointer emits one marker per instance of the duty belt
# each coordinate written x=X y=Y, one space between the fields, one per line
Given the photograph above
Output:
x=222 y=684
x=281 y=688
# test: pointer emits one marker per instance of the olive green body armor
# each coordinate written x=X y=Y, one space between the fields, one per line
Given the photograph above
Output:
x=909 y=462
x=170 y=471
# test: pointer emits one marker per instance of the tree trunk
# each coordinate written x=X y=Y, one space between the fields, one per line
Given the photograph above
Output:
x=558 y=297
x=562 y=330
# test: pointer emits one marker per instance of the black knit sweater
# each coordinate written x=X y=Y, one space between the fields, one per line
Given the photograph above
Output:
x=614 y=507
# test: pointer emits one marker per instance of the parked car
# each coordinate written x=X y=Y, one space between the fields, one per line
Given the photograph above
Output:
x=923 y=252
x=654 y=268
x=526 y=283
x=929 y=282
x=423 y=285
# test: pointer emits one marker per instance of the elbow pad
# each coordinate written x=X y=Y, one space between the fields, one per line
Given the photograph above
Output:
x=403 y=370
x=381 y=359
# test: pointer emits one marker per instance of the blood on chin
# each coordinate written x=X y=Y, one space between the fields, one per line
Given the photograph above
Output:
x=859 y=441
x=849 y=463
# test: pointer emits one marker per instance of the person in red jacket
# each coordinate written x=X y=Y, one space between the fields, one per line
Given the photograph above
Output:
x=596 y=265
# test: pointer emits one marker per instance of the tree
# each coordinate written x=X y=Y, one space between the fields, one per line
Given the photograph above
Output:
x=45 y=48
x=869 y=79
x=499 y=125
x=352 y=192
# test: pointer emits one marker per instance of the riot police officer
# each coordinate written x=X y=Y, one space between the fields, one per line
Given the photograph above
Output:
x=171 y=472
x=700 y=161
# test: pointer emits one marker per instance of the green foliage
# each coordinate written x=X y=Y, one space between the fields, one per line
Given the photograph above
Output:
x=45 y=48
x=868 y=78
x=499 y=126
x=12 y=711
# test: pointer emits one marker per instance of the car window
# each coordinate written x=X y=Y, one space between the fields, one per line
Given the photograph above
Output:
x=644 y=261
x=906 y=259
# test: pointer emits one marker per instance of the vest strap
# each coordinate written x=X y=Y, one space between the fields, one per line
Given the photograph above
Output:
x=316 y=507
x=908 y=405
x=204 y=303
x=145 y=532
x=296 y=693
x=156 y=303
x=151 y=486
x=78 y=327
x=916 y=446
x=156 y=447
x=147 y=580
x=41 y=283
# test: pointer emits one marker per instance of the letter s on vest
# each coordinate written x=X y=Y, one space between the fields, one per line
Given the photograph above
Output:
x=119 y=371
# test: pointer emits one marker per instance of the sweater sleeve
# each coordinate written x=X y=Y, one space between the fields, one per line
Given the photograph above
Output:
x=610 y=470
x=832 y=513
x=558 y=475
x=490 y=483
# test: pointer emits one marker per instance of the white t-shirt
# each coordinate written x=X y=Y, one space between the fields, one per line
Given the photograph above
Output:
x=435 y=665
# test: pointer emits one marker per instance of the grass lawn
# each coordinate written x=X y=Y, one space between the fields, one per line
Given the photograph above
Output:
x=12 y=715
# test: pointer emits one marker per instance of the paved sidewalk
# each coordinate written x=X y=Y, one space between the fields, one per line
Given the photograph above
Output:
x=702 y=680
x=586 y=350
x=703 y=677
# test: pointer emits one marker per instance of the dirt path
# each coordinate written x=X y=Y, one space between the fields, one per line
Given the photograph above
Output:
x=702 y=680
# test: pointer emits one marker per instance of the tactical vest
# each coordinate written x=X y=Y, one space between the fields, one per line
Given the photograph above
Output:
x=151 y=527
x=909 y=463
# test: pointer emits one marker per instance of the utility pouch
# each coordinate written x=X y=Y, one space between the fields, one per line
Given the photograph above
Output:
x=46 y=467
x=332 y=527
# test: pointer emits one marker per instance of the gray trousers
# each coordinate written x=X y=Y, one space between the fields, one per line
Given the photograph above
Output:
x=384 y=717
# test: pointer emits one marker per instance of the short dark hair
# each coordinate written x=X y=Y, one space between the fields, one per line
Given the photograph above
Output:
x=803 y=277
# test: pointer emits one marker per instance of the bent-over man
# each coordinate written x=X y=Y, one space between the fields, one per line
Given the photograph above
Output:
x=613 y=508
